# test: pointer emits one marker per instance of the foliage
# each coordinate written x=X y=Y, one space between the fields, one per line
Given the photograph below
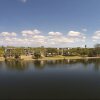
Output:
x=37 y=55
x=91 y=53
x=40 y=51
x=17 y=56
x=52 y=51
x=97 y=49
x=1 y=51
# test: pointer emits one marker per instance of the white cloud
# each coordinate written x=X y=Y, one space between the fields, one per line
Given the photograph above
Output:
x=13 y=34
x=96 y=36
x=34 y=38
x=36 y=31
x=84 y=30
x=7 y=34
x=76 y=36
x=39 y=37
x=24 y=1
x=57 y=38
x=54 y=33
x=26 y=33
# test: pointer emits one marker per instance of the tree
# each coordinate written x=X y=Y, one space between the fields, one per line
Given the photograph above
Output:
x=37 y=55
x=97 y=49
x=52 y=51
x=91 y=53
x=85 y=46
x=1 y=51
x=97 y=45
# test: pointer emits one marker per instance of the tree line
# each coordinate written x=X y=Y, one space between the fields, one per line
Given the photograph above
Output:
x=41 y=51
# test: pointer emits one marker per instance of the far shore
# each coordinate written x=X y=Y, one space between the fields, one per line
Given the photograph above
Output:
x=67 y=58
x=29 y=58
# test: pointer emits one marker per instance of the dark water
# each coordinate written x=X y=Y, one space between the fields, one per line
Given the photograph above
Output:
x=62 y=79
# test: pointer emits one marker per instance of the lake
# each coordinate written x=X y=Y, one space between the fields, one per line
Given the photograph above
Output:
x=59 y=79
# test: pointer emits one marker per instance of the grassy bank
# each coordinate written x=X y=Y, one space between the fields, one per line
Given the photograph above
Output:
x=29 y=58
x=58 y=57
x=2 y=59
x=61 y=57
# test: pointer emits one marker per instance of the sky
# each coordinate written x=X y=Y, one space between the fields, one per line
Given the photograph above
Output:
x=49 y=23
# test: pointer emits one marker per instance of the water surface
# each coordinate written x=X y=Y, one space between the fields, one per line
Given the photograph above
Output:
x=60 y=79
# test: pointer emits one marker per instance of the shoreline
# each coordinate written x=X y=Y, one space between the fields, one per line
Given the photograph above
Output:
x=67 y=58
x=58 y=58
x=29 y=58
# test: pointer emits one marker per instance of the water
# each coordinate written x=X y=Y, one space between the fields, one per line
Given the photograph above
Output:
x=61 y=79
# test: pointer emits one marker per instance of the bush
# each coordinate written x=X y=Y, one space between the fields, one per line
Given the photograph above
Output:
x=37 y=55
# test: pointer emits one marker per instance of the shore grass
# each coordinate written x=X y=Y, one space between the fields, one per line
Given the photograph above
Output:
x=62 y=57
x=52 y=58
x=2 y=59
x=29 y=58
x=58 y=57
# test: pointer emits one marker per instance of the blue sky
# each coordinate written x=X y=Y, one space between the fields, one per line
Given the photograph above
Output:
x=59 y=22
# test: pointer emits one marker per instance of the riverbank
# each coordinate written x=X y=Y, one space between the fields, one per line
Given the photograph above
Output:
x=29 y=58
x=52 y=58
x=2 y=59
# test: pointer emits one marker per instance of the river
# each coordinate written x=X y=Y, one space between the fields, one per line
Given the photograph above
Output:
x=58 y=79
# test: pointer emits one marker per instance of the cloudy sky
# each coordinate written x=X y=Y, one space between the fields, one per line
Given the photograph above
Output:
x=50 y=23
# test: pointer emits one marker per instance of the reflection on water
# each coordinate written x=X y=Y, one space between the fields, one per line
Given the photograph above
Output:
x=39 y=64
x=53 y=79
x=14 y=65
x=22 y=65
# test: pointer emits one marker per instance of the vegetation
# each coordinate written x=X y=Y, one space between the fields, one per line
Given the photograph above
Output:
x=50 y=52
x=97 y=49
x=37 y=54
x=1 y=51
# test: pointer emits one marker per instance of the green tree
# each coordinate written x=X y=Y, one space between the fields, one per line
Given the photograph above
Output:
x=91 y=52
x=37 y=55
x=52 y=51
x=97 y=49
